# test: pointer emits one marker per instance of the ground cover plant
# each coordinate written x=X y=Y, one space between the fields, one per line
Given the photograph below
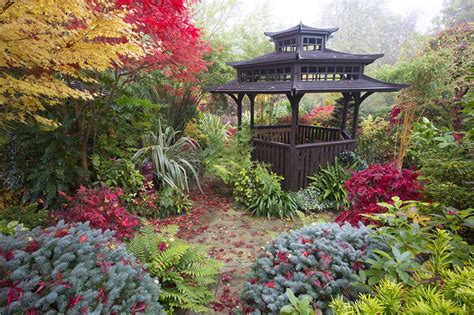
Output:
x=72 y=268
x=184 y=270
x=319 y=260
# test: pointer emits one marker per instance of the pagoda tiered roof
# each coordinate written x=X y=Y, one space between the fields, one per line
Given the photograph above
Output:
x=301 y=28
x=327 y=55
x=301 y=63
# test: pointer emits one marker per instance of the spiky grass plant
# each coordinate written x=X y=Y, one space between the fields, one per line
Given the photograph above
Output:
x=174 y=157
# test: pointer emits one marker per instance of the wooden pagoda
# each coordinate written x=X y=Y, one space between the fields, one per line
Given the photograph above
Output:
x=301 y=64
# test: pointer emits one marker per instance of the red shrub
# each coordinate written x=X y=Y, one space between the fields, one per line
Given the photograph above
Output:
x=302 y=120
x=103 y=208
x=378 y=183
x=320 y=115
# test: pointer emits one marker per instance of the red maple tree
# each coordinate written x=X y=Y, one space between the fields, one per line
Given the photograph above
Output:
x=172 y=42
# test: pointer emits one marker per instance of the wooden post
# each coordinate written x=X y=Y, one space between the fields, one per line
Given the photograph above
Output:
x=293 y=171
x=355 y=117
x=238 y=100
x=252 y=110
x=346 y=98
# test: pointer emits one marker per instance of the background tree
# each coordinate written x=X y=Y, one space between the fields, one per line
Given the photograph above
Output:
x=455 y=12
x=367 y=26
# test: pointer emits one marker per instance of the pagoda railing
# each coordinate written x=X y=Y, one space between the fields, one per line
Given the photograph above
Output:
x=310 y=157
x=311 y=134
x=296 y=163
x=305 y=134
x=276 y=154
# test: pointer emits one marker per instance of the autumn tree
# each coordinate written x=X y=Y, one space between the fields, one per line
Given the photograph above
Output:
x=47 y=45
x=76 y=63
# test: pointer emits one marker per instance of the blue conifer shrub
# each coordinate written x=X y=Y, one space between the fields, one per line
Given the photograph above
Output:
x=72 y=269
x=319 y=260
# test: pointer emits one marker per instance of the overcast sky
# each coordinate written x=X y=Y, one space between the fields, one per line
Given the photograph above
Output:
x=291 y=12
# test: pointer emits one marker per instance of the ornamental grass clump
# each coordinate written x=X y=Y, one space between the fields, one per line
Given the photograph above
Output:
x=319 y=260
x=72 y=269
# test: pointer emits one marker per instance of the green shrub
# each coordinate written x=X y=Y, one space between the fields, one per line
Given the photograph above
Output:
x=298 y=306
x=224 y=159
x=445 y=163
x=412 y=244
x=168 y=202
x=118 y=173
x=212 y=128
x=451 y=294
x=260 y=191
x=29 y=215
x=72 y=269
x=174 y=158
x=44 y=162
x=184 y=270
x=326 y=189
x=374 y=145
x=330 y=181
x=278 y=204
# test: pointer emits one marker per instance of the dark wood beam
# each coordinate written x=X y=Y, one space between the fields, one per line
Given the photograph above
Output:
x=252 y=110
x=366 y=94
x=293 y=162
x=355 y=117
x=346 y=98
x=238 y=100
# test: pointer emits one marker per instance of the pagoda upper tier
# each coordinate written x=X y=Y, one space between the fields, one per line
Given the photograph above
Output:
x=301 y=61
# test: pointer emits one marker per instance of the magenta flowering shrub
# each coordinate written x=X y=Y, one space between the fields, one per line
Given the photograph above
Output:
x=318 y=260
x=72 y=269
x=103 y=208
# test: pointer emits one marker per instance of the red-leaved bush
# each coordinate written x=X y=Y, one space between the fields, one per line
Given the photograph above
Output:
x=102 y=207
x=378 y=183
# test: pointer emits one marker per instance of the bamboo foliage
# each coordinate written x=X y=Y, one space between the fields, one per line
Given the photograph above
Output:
x=402 y=136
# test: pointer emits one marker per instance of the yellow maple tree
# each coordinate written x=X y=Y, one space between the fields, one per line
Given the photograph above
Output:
x=45 y=45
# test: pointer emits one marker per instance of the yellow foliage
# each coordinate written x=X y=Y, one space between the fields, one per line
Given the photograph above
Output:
x=46 y=44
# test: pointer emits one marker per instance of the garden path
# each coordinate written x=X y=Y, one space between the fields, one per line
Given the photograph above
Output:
x=231 y=236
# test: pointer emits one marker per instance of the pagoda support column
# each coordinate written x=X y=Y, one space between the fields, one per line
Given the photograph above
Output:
x=238 y=100
x=355 y=117
x=293 y=170
x=358 y=99
x=252 y=110
x=346 y=99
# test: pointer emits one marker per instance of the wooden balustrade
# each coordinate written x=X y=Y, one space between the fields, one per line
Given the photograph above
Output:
x=311 y=134
x=310 y=157
x=305 y=134
x=316 y=147
x=276 y=154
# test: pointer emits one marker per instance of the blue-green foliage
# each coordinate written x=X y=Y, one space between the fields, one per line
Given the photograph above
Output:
x=319 y=260
x=73 y=269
